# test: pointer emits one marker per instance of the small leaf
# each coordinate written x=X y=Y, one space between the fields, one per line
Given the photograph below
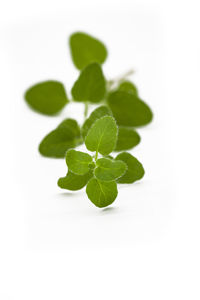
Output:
x=91 y=85
x=95 y=115
x=74 y=182
x=128 y=86
x=101 y=193
x=102 y=136
x=135 y=169
x=48 y=97
x=57 y=142
x=127 y=139
x=86 y=49
x=129 y=110
x=108 y=170
x=78 y=162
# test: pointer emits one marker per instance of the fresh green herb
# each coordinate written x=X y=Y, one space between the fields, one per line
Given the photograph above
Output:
x=102 y=136
x=135 y=170
x=67 y=135
x=86 y=49
x=127 y=139
x=100 y=175
x=128 y=86
x=47 y=98
x=91 y=85
x=110 y=127
x=128 y=109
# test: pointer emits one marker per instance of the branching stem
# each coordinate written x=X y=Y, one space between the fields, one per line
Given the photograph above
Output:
x=117 y=80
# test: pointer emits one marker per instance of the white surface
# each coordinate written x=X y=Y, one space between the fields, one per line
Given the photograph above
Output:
x=57 y=245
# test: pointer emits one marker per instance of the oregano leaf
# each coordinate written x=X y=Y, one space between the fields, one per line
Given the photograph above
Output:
x=57 y=142
x=91 y=85
x=95 y=115
x=108 y=170
x=128 y=86
x=78 y=162
x=102 y=136
x=135 y=169
x=74 y=182
x=128 y=109
x=127 y=139
x=48 y=97
x=86 y=49
x=101 y=193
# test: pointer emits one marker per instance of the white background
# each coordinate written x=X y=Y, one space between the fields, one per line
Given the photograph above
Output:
x=57 y=245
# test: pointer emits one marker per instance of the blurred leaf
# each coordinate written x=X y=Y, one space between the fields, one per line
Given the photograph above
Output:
x=129 y=110
x=135 y=169
x=102 y=136
x=108 y=170
x=86 y=49
x=91 y=85
x=57 y=142
x=127 y=139
x=78 y=162
x=101 y=193
x=95 y=115
x=128 y=86
x=48 y=97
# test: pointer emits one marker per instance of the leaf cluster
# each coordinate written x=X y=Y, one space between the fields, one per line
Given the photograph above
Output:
x=100 y=175
x=110 y=127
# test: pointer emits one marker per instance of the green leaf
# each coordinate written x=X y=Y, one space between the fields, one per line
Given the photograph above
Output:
x=57 y=142
x=102 y=136
x=108 y=170
x=78 y=162
x=128 y=86
x=91 y=85
x=86 y=49
x=74 y=182
x=95 y=115
x=48 y=97
x=129 y=110
x=101 y=193
x=135 y=169
x=127 y=139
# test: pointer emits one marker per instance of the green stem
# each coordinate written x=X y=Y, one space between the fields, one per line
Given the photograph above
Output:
x=96 y=156
x=117 y=80
x=86 y=110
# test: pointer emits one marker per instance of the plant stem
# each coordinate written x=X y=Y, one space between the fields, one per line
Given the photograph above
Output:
x=96 y=156
x=123 y=76
x=117 y=80
x=86 y=110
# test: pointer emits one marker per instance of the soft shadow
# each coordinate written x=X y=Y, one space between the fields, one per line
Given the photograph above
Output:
x=109 y=210
x=66 y=195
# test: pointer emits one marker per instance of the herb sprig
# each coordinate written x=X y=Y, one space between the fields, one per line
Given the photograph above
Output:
x=110 y=127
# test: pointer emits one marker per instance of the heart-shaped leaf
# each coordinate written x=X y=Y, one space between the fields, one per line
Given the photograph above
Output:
x=128 y=86
x=128 y=109
x=127 y=139
x=102 y=136
x=101 y=193
x=78 y=162
x=86 y=49
x=95 y=115
x=57 y=142
x=74 y=182
x=108 y=170
x=91 y=85
x=135 y=169
x=48 y=97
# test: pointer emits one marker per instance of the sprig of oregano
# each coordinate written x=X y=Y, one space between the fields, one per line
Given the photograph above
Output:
x=100 y=174
x=110 y=127
x=91 y=87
